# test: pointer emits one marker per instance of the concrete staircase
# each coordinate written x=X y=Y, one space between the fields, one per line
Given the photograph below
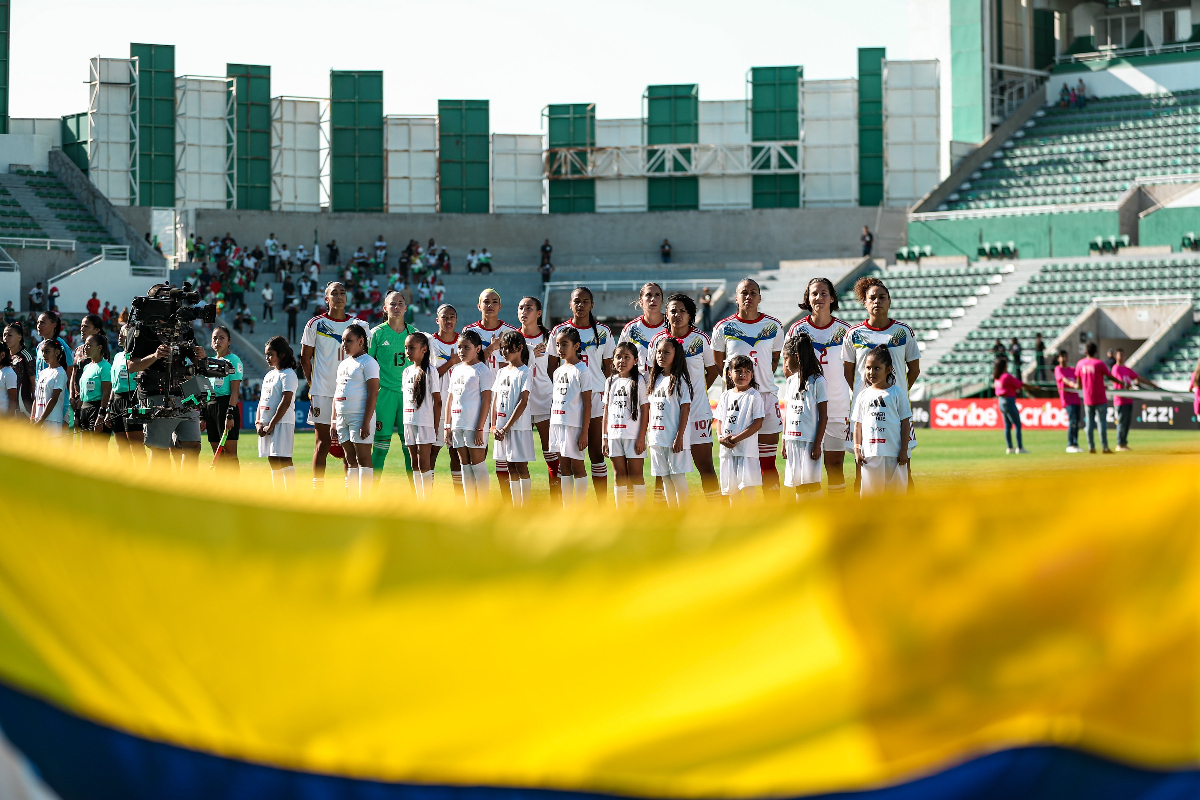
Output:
x=46 y=217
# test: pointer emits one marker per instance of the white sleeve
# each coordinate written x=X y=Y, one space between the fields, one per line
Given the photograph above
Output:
x=780 y=338
x=856 y=412
x=290 y=381
x=848 y=356
x=819 y=389
x=912 y=350
x=721 y=409
x=370 y=369
x=903 y=406
x=610 y=346
x=309 y=337
x=643 y=395
x=758 y=407
x=708 y=357
x=718 y=340
x=686 y=395
x=496 y=384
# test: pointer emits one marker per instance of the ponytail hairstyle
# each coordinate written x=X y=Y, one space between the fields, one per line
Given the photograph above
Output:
x=470 y=335
x=421 y=383
x=515 y=340
x=800 y=348
x=678 y=371
x=55 y=345
x=102 y=340
x=881 y=352
x=283 y=352
x=20 y=331
x=358 y=331
x=642 y=292
x=740 y=362
x=572 y=336
x=58 y=326
x=999 y=368
x=538 y=304
x=95 y=321
x=591 y=318
x=687 y=302
x=635 y=376
x=6 y=359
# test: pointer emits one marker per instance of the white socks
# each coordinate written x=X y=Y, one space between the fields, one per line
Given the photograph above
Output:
x=574 y=490
x=483 y=486
x=521 y=489
x=676 y=489
x=423 y=484
x=366 y=481
x=318 y=484
x=289 y=477
x=468 y=483
x=620 y=493
x=639 y=494
x=351 y=477
x=277 y=479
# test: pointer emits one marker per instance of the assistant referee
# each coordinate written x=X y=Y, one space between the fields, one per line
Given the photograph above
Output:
x=225 y=391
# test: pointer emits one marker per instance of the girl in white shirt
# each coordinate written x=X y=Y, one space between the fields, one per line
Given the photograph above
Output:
x=443 y=347
x=10 y=391
x=806 y=417
x=882 y=421
x=422 y=395
x=571 y=414
x=626 y=416
x=354 y=397
x=670 y=406
x=537 y=337
x=50 y=390
x=468 y=405
x=511 y=424
x=737 y=421
x=275 y=420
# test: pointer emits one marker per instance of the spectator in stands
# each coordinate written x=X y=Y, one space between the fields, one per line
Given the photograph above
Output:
x=472 y=262
x=36 y=297
x=292 y=310
x=272 y=245
x=360 y=257
x=546 y=268
x=106 y=313
x=868 y=241
x=1110 y=357
x=1007 y=386
x=1074 y=99
x=285 y=261
x=93 y=305
x=1064 y=96
x=485 y=259
x=546 y=250
x=268 y=297
x=380 y=249
x=228 y=242
x=1125 y=405
x=10 y=314
x=1080 y=95
x=1014 y=350
x=998 y=350
x=52 y=298
x=335 y=254
x=1039 y=357
x=664 y=250
x=404 y=263
x=706 y=320
x=1090 y=373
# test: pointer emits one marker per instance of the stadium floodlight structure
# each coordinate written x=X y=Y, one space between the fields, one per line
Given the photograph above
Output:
x=112 y=135
x=205 y=142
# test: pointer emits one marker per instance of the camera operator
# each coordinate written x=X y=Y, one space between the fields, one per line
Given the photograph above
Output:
x=151 y=359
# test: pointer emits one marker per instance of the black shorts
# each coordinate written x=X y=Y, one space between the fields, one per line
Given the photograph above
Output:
x=214 y=420
x=123 y=401
x=86 y=418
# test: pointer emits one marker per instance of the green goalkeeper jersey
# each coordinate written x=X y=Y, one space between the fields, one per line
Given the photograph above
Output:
x=387 y=347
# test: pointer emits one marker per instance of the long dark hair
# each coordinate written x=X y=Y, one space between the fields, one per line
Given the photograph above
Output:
x=636 y=375
x=55 y=345
x=538 y=303
x=20 y=329
x=688 y=304
x=678 y=368
x=283 y=351
x=881 y=352
x=420 y=385
x=103 y=340
x=95 y=321
x=801 y=348
x=833 y=305
x=515 y=340
x=999 y=368
x=740 y=362
x=573 y=336
x=472 y=337
x=57 y=322
x=592 y=317
x=358 y=331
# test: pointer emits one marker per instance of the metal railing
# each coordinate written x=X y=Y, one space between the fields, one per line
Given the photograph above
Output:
x=38 y=244
x=1104 y=53
x=107 y=253
x=760 y=158
x=1011 y=94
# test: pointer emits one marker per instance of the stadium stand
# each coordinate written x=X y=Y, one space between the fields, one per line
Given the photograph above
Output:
x=15 y=221
x=1179 y=363
x=55 y=211
x=1055 y=296
x=930 y=299
x=1071 y=156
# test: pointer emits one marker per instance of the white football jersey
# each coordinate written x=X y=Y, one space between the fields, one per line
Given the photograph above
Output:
x=880 y=412
x=350 y=393
x=699 y=355
x=439 y=353
x=496 y=361
x=801 y=416
x=619 y=400
x=597 y=348
x=324 y=335
x=827 y=342
x=467 y=384
x=737 y=412
x=639 y=333
x=665 y=410
x=570 y=382
x=759 y=339
x=511 y=383
x=421 y=417
x=540 y=386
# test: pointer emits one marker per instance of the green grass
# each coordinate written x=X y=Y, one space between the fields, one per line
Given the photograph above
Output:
x=941 y=458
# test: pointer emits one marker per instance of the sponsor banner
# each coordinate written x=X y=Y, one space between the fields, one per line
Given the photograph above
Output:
x=1046 y=414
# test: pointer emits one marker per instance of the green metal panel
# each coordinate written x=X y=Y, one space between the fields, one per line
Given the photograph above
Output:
x=672 y=114
x=464 y=156
x=870 y=125
x=776 y=191
x=5 y=48
x=1043 y=38
x=673 y=194
x=775 y=103
x=75 y=139
x=571 y=125
x=252 y=128
x=968 y=105
x=1036 y=235
x=1168 y=225
x=356 y=140
x=573 y=196
x=156 y=123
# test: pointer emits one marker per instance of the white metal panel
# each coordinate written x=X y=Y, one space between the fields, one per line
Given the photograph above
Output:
x=410 y=154
x=621 y=194
x=112 y=132
x=829 y=125
x=204 y=142
x=726 y=192
x=39 y=127
x=618 y=132
x=517 y=173
x=911 y=142
x=295 y=154
x=724 y=122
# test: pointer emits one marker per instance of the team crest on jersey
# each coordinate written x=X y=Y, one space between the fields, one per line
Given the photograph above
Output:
x=695 y=348
x=732 y=331
x=635 y=336
x=898 y=338
x=838 y=337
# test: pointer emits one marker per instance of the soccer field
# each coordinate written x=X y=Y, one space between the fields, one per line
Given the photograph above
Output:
x=941 y=458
